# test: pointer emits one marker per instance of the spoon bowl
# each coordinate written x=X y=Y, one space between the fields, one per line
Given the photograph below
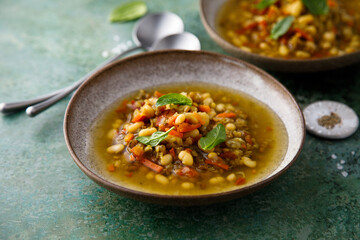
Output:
x=156 y=26
x=184 y=41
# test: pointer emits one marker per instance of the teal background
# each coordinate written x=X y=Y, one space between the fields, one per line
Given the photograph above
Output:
x=46 y=45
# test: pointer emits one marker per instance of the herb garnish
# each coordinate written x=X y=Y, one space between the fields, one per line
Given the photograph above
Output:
x=155 y=138
x=281 y=27
x=317 y=7
x=264 y=4
x=128 y=11
x=216 y=136
x=173 y=98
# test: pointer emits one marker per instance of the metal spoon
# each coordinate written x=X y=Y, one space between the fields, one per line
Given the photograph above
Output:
x=147 y=31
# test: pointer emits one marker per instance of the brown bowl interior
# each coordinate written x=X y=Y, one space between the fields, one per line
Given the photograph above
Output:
x=163 y=67
x=209 y=10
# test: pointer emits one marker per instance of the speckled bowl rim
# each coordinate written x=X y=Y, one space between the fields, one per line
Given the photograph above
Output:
x=219 y=38
x=207 y=198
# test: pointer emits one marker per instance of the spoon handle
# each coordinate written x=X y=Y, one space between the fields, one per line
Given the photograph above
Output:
x=32 y=111
x=12 y=107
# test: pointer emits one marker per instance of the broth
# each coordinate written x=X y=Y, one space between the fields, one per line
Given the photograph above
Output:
x=263 y=124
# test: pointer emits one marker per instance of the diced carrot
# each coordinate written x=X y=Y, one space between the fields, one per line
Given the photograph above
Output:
x=243 y=146
x=186 y=127
x=138 y=151
x=226 y=115
x=138 y=118
x=199 y=118
x=218 y=164
x=204 y=108
x=111 y=167
x=240 y=181
x=153 y=166
x=158 y=94
x=172 y=152
x=228 y=155
x=129 y=137
x=132 y=158
x=188 y=150
x=176 y=134
x=187 y=172
x=172 y=119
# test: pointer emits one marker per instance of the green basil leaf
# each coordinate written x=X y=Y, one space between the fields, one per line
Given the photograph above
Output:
x=173 y=98
x=317 y=7
x=264 y=4
x=128 y=11
x=155 y=138
x=213 y=138
x=280 y=28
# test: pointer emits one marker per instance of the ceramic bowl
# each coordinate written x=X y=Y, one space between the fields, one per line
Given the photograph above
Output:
x=209 y=11
x=164 y=67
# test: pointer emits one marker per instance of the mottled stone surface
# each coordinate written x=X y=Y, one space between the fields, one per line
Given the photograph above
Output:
x=45 y=45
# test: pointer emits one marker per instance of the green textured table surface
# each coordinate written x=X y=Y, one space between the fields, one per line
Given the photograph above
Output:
x=45 y=45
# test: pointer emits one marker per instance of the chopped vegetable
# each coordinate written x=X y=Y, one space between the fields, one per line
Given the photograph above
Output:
x=226 y=115
x=240 y=181
x=153 y=166
x=186 y=127
x=176 y=134
x=138 y=118
x=111 y=167
x=204 y=108
x=138 y=151
x=220 y=164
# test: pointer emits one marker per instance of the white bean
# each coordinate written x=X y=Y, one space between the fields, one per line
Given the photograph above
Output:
x=248 y=162
x=135 y=126
x=216 y=180
x=186 y=158
x=166 y=159
x=231 y=177
x=115 y=148
x=147 y=132
x=161 y=179
x=187 y=185
x=180 y=119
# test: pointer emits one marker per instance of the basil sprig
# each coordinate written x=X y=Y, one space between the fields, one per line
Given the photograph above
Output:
x=128 y=11
x=216 y=136
x=264 y=4
x=173 y=98
x=281 y=27
x=155 y=138
x=317 y=7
